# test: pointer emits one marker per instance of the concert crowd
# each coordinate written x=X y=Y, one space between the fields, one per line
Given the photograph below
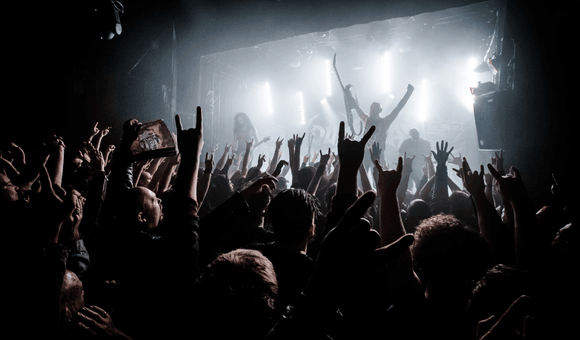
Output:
x=101 y=244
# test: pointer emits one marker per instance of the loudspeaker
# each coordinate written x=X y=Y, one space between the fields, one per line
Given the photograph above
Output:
x=491 y=112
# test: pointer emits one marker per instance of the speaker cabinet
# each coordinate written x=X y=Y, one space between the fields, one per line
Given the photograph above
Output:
x=491 y=113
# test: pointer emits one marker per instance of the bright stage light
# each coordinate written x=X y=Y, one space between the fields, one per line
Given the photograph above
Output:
x=328 y=77
x=385 y=72
x=423 y=101
x=268 y=98
x=301 y=108
x=471 y=79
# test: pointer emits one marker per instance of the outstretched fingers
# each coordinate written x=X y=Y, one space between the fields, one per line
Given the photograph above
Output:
x=368 y=135
x=199 y=120
x=178 y=124
x=494 y=172
x=400 y=165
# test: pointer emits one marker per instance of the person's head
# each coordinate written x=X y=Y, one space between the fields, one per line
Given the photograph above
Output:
x=293 y=213
x=241 y=122
x=253 y=173
x=237 y=292
x=417 y=211
x=139 y=207
x=461 y=206
x=376 y=108
x=414 y=133
x=449 y=257
x=305 y=175
x=8 y=190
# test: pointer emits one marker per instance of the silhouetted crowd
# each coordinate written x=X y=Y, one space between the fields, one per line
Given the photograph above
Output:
x=191 y=246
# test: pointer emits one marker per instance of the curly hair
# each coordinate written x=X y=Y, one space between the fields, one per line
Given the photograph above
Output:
x=446 y=250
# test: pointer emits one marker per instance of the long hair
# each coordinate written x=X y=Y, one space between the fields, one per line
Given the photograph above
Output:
x=245 y=126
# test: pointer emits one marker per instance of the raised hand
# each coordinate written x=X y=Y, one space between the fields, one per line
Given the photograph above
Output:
x=407 y=163
x=442 y=154
x=291 y=142
x=498 y=162
x=510 y=185
x=279 y=167
x=98 y=162
x=472 y=180
x=351 y=152
x=299 y=141
x=249 y=144
x=325 y=158
x=208 y=163
x=261 y=160
x=130 y=132
x=375 y=151
x=389 y=179
x=256 y=187
x=279 y=142
x=456 y=160
x=315 y=157
x=95 y=129
x=96 y=322
x=190 y=141
x=105 y=131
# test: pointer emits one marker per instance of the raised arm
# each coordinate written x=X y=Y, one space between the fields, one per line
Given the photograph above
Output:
x=121 y=176
x=401 y=103
x=276 y=156
x=190 y=142
x=336 y=272
x=363 y=116
x=246 y=160
x=165 y=180
x=440 y=202
x=515 y=194
x=222 y=161
x=156 y=170
x=404 y=283
x=350 y=155
x=315 y=181
x=489 y=222
x=205 y=178
x=99 y=137
x=295 y=158
x=138 y=169
x=405 y=176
